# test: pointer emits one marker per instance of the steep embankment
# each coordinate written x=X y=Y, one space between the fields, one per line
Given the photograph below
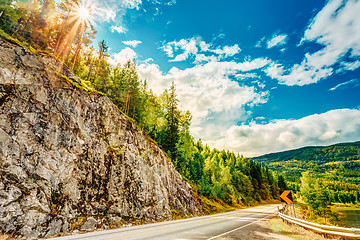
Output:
x=69 y=159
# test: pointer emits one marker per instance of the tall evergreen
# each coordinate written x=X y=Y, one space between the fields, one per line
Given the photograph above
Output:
x=172 y=123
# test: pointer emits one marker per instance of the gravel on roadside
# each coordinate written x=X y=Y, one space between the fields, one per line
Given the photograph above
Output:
x=273 y=229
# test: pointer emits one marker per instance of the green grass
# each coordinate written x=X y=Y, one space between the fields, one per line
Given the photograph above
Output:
x=345 y=207
x=18 y=42
x=83 y=86
x=214 y=205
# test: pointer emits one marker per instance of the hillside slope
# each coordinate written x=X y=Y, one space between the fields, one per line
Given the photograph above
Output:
x=69 y=159
x=339 y=163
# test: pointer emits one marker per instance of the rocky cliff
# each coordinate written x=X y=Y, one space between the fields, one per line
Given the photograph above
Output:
x=69 y=159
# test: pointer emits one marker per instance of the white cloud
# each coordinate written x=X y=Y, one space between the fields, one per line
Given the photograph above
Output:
x=103 y=13
x=208 y=92
x=132 y=43
x=188 y=46
x=154 y=77
x=204 y=47
x=219 y=36
x=168 y=50
x=122 y=57
x=132 y=4
x=354 y=82
x=246 y=75
x=106 y=11
x=201 y=58
x=299 y=74
x=227 y=51
x=197 y=49
x=350 y=66
x=277 y=40
x=172 y=2
x=260 y=42
x=254 y=139
x=114 y=10
x=119 y=29
x=336 y=28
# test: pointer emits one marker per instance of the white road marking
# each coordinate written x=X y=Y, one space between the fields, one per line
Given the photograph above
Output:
x=239 y=227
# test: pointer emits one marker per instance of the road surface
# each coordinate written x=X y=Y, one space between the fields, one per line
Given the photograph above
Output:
x=207 y=227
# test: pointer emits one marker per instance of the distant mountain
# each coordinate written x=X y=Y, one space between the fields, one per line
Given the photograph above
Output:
x=336 y=163
x=340 y=151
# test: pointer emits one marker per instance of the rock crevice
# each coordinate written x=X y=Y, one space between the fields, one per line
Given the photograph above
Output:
x=70 y=159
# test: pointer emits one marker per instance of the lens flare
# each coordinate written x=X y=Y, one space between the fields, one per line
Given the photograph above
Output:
x=83 y=13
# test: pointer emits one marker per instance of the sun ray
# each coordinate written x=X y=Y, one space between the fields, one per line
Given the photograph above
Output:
x=80 y=16
x=84 y=13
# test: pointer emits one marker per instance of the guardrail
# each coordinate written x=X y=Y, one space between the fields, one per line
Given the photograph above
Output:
x=353 y=233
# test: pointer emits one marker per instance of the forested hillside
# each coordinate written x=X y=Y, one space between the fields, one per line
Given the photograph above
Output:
x=335 y=168
x=43 y=27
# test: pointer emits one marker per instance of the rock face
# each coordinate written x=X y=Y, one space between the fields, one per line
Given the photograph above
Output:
x=70 y=160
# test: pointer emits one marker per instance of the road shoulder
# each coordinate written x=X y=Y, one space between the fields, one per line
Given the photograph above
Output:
x=273 y=229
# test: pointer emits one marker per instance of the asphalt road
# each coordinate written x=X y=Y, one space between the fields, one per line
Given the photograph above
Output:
x=207 y=227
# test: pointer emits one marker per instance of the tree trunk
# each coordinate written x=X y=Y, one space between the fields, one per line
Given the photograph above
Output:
x=127 y=105
x=90 y=70
x=75 y=56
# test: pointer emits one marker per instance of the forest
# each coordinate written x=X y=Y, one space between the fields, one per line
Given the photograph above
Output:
x=65 y=32
x=320 y=175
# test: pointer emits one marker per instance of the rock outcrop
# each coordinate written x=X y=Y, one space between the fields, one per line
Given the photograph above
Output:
x=69 y=159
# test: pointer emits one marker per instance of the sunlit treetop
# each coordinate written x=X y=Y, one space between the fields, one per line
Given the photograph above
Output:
x=76 y=23
x=80 y=12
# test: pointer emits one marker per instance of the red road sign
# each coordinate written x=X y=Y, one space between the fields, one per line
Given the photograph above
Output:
x=286 y=196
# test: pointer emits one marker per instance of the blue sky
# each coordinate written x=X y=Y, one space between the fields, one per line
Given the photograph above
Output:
x=258 y=76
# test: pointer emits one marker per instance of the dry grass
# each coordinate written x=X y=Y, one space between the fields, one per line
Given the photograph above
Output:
x=296 y=232
x=5 y=237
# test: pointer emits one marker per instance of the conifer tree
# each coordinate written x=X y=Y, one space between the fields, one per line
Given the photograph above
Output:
x=172 y=122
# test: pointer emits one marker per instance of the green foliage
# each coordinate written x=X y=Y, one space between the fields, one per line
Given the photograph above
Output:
x=232 y=178
x=172 y=117
x=320 y=175
x=216 y=174
x=29 y=22
x=220 y=175
x=314 y=194
x=83 y=86
x=338 y=165
x=17 y=42
x=281 y=183
x=41 y=25
x=319 y=155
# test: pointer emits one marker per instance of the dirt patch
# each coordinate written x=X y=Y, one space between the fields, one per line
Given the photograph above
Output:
x=5 y=237
x=274 y=229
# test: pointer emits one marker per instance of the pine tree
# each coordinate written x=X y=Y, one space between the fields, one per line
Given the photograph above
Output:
x=281 y=183
x=172 y=122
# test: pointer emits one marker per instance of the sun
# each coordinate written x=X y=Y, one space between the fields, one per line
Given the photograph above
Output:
x=80 y=20
x=84 y=13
